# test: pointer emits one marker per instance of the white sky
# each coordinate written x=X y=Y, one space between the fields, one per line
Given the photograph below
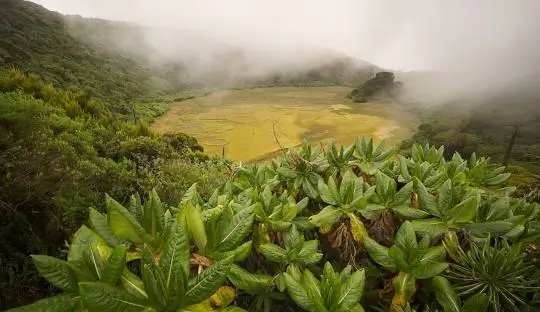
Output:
x=483 y=35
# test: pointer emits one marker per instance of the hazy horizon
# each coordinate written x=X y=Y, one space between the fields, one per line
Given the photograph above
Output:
x=487 y=45
x=416 y=35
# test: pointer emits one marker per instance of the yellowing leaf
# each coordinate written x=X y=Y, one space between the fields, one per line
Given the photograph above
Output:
x=358 y=229
x=223 y=297
x=325 y=229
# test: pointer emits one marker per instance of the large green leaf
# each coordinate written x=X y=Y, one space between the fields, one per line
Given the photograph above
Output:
x=432 y=227
x=426 y=200
x=405 y=237
x=206 y=283
x=132 y=284
x=234 y=232
x=384 y=187
x=196 y=225
x=80 y=269
x=59 y=303
x=99 y=297
x=498 y=179
x=350 y=292
x=372 y=211
x=379 y=253
x=124 y=225
x=402 y=258
x=240 y=253
x=99 y=224
x=477 y=303
x=313 y=287
x=293 y=238
x=81 y=240
x=309 y=189
x=56 y=272
x=154 y=283
x=404 y=170
x=115 y=265
x=446 y=296
x=154 y=215
x=445 y=196
x=436 y=253
x=409 y=213
x=403 y=196
x=484 y=228
x=465 y=211
x=249 y=282
x=347 y=187
x=298 y=293
x=135 y=207
x=289 y=209
x=327 y=195
x=175 y=257
x=404 y=285
x=287 y=172
x=174 y=261
x=273 y=252
x=429 y=269
x=278 y=226
x=309 y=254
x=326 y=217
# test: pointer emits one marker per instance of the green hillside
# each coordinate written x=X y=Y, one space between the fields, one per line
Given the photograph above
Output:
x=113 y=60
x=36 y=40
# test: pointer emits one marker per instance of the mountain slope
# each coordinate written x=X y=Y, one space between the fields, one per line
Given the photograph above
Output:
x=120 y=60
x=37 y=40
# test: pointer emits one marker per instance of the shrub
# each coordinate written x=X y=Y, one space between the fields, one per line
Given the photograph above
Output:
x=313 y=230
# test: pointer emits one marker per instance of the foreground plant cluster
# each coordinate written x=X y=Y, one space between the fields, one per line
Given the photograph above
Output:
x=318 y=229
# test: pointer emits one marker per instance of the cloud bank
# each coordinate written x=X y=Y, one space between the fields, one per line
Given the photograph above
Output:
x=490 y=42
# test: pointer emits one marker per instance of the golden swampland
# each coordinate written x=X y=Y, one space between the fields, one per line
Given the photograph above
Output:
x=243 y=121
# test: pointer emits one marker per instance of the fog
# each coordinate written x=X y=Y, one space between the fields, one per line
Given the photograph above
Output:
x=481 y=45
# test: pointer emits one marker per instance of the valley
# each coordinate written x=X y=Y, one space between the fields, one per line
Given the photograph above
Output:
x=243 y=122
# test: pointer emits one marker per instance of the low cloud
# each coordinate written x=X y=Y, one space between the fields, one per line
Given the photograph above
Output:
x=485 y=45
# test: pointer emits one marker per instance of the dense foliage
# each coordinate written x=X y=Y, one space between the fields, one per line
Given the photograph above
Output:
x=505 y=128
x=37 y=40
x=382 y=84
x=317 y=229
x=59 y=152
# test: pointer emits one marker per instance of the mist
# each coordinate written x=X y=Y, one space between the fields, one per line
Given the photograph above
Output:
x=468 y=47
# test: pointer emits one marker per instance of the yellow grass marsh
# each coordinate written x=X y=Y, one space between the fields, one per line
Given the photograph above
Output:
x=242 y=121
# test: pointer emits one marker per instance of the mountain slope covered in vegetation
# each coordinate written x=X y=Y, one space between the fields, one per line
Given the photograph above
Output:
x=118 y=60
x=37 y=40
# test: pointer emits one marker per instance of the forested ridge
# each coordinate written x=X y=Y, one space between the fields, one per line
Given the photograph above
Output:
x=36 y=40
x=98 y=212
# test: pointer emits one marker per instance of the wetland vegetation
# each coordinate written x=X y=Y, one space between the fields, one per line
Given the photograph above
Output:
x=246 y=122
